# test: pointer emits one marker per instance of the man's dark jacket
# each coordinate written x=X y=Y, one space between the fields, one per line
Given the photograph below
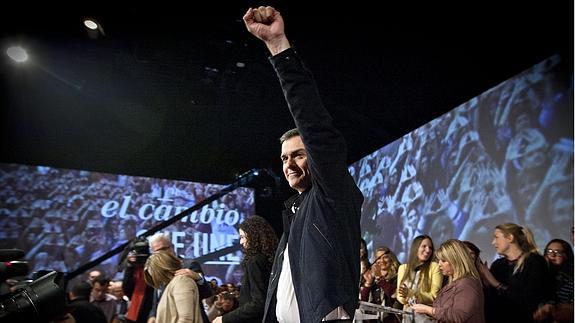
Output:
x=324 y=233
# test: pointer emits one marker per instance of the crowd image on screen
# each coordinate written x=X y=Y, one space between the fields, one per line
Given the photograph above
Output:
x=65 y=218
x=503 y=156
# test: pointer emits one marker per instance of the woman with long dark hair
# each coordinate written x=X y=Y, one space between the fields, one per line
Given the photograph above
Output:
x=259 y=242
x=419 y=280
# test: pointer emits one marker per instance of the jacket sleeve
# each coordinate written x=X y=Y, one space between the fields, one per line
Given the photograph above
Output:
x=427 y=297
x=258 y=273
x=128 y=283
x=400 y=275
x=326 y=148
x=423 y=297
x=530 y=287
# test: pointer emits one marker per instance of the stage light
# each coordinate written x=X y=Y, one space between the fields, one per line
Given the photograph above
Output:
x=94 y=28
x=17 y=53
x=90 y=24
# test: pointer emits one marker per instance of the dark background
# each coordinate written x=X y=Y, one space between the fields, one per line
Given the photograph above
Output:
x=161 y=95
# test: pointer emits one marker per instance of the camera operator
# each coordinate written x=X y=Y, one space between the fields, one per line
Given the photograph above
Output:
x=134 y=286
x=161 y=241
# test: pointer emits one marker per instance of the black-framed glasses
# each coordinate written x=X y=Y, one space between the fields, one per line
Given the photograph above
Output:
x=554 y=253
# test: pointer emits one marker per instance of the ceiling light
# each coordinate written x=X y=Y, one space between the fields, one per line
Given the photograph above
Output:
x=17 y=53
x=91 y=24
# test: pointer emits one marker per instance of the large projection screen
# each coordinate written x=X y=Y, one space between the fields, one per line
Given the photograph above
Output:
x=65 y=218
x=503 y=156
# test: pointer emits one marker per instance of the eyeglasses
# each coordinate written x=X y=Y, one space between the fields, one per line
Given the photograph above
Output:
x=554 y=253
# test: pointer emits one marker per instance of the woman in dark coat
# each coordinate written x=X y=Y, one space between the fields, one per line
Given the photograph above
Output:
x=259 y=243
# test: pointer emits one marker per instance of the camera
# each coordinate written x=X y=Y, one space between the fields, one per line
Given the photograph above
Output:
x=41 y=300
x=141 y=250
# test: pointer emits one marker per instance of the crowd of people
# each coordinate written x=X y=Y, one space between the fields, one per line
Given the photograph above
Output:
x=448 y=284
x=166 y=288
x=453 y=283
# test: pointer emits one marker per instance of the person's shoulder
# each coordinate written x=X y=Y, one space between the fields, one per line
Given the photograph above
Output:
x=499 y=262
x=468 y=281
x=537 y=259
x=182 y=279
x=111 y=298
x=258 y=259
x=401 y=270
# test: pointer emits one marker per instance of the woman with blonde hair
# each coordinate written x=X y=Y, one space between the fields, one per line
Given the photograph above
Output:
x=180 y=299
x=419 y=280
x=382 y=283
x=518 y=281
x=461 y=300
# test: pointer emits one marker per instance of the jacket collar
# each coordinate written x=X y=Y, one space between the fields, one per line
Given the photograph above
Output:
x=288 y=214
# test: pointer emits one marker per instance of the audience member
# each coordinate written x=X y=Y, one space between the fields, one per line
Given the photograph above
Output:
x=559 y=308
x=461 y=300
x=384 y=281
x=100 y=297
x=180 y=301
x=517 y=282
x=80 y=307
x=161 y=241
x=418 y=280
x=259 y=242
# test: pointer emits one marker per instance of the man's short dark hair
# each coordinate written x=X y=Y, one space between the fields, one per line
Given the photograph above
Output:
x=289 y=134
x=82 y=290
x=103 y=281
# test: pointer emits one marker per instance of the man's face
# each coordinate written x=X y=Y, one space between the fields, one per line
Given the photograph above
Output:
x=115 y=288
x=294 y=159
x=93 y=274
x=99 y=292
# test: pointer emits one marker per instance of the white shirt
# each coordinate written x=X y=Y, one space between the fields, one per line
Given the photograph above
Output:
x=286 y=308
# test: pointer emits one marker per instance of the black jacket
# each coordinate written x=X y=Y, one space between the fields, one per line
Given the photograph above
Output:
x=523 y=292
x=324 y=234
x=128 y=286
x=85 y=312
x=253 y=291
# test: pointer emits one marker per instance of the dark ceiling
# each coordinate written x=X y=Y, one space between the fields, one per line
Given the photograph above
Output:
x=162 y=95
